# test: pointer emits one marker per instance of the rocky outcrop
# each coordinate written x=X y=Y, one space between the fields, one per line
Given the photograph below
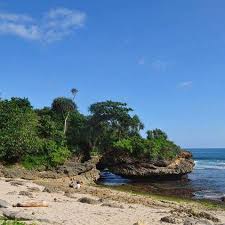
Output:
x=84 y=171
x=122 y=163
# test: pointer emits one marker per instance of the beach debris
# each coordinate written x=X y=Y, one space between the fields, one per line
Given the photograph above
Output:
x=4 y=204
x=32 y=204
x=90 y=201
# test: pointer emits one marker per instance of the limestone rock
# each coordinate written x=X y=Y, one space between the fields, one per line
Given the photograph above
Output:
x=48 y=190
x=33 y=189
x=4 y=204
x=16 y=183
x=123 y=164
x=113 y=205
x=90 y=201
x=26 y=193
x=191 y=221
x=169 y=219
x=12 y=215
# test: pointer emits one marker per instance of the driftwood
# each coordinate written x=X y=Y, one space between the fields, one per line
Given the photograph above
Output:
x=32 y=204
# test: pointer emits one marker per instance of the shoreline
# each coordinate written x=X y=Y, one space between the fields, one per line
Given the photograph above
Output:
x=187 y=206
x=103 y=206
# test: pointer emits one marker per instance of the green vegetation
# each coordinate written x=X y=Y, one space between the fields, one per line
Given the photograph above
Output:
x=47 y=137
x=11 y=222
x=206 y=203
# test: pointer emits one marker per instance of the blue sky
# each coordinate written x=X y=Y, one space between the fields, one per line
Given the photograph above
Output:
x=166 y=59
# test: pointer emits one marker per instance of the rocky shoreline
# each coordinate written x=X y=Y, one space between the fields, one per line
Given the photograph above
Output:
x=122 y=164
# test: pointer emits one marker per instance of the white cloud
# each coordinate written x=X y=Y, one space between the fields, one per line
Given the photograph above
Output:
x=53 y=26
x=21 y=30
x=185 y=84
x=61 y=22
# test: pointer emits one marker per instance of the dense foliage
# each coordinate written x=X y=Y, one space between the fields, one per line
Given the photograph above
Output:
x=47 y=137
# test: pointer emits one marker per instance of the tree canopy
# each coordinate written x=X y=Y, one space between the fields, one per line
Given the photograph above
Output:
x=49 y=136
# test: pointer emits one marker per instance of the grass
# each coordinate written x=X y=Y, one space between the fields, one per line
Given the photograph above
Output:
x=12 y=222
x=5 y=221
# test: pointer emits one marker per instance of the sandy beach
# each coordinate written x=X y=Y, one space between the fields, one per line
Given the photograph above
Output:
x=96 y=206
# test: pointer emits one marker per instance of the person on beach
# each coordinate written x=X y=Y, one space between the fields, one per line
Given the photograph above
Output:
x=75 y=184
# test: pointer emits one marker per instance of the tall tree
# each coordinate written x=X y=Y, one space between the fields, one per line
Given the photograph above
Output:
x=65 y=106
x=111 y=121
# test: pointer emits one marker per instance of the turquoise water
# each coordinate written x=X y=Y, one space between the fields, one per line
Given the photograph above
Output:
x=207 y=181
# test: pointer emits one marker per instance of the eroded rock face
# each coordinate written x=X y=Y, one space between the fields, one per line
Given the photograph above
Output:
x=122 y=164
x=84 y=171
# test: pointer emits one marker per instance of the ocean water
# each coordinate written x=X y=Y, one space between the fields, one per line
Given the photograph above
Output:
x=209 y=173
x=207 y=181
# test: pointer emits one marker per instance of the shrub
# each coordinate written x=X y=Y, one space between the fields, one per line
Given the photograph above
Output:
x=124 y=144
x=57 y=154
x=154 y=148
x=35 y=162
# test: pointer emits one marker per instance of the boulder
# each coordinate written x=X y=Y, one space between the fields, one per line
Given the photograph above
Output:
x=12 y=215
x=90 y=201
x=4 y=204
x=191 y=221
x=72 y=169
x=169 y=219
x=113 y=205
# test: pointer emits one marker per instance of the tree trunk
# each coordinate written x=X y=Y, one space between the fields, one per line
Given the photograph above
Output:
x=65 y=124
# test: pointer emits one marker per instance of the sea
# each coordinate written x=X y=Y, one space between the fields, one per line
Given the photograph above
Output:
x=207 y=181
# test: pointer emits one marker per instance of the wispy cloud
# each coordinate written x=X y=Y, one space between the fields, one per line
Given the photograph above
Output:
x=53 y=26
x=15 y=17
x=185 y=84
